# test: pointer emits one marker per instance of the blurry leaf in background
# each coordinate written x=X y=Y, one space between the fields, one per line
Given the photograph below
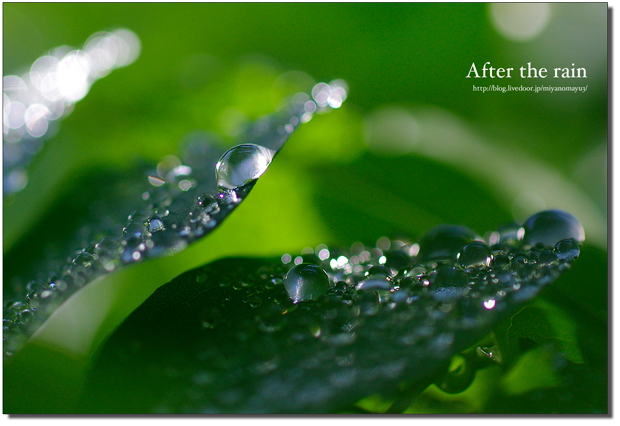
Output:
x=507 y=173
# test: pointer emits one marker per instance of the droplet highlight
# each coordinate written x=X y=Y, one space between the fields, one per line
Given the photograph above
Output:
x=306 y=282
x=241 y=165
x=474 y=255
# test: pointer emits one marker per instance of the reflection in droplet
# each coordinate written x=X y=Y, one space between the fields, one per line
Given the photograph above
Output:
x=306 y=282
x=155 y=224
x=241 y=165
x=551 y=226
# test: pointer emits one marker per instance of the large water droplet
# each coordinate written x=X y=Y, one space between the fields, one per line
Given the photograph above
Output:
x=474 y=255
x=444 y=241
x=449 y=276
x=306 y=282
x=551 y=226
x=241 y=165
x=375 y=282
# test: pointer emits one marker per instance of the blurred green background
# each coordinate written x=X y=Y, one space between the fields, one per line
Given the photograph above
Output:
x=412 y=147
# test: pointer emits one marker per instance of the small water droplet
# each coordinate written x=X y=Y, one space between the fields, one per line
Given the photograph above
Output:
x=84 y=259
x=551 y=226
x=155 y=224
x=255 y=301
x=306 y=282
x=567 y=250
x=547 y=257
x=241 y=165
x=210 y=317
x=449 y=276
x=444 y=241
x=519 y=258
x=134 y=233
x=474 y=255
x=500 y=261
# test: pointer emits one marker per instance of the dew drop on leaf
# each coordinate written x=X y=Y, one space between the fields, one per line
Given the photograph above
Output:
x=508 y=233
x=155 y=224
x=375 y=282
x=210 y=317
x=444 y=241
x=551 y=226
x=241 y=165
x=547 y=257
x=474 y=255
x=567 y=250
x=306 y=282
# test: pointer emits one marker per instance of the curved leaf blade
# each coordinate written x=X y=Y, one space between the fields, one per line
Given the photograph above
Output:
x=227 y=338
x=177 y=204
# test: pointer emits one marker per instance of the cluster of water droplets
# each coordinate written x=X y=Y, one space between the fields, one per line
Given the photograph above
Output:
x=181 y=200
x=304 y=331
x=49 y=91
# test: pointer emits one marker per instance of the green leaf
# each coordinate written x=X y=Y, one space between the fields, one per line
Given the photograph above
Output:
x=174 y=204
x=226 y=337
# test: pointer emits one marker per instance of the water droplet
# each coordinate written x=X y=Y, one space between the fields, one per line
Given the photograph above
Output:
x=519 y=258
x=397 y=259
x=547 y=257
x=551 y=226
x=306 y=282
x=210 y=317
x=241 y=165
x=444 y=241
x=155 y=224
x=500 y=261
x=134 y=233
x=206 y=199
x=375 y=282
x=474 y=255
x=509 y=233
x=448 y=276
x=567 y=250
x=255 y=301
x=84 y=259
x=379 y=270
